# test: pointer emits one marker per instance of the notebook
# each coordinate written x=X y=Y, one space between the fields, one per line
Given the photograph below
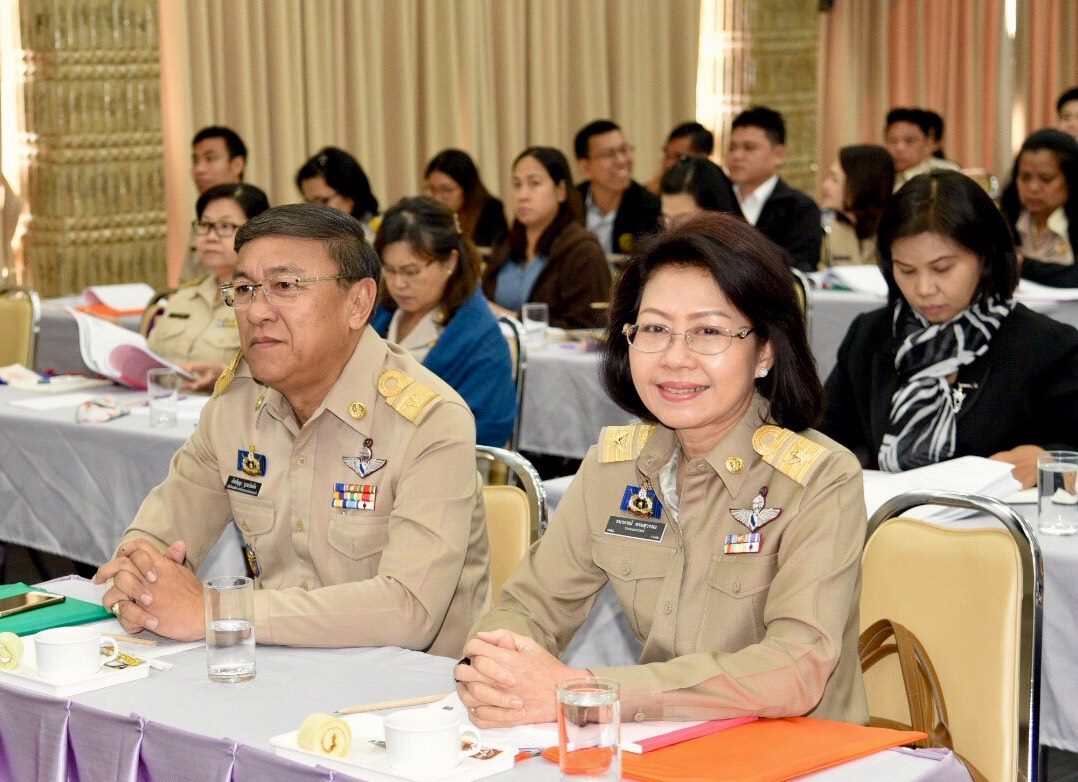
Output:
x=69 y=612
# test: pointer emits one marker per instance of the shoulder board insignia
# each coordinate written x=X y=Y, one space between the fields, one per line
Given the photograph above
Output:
x=623 y=443
x=788 y=452
x=411 y=399
x=226 y=378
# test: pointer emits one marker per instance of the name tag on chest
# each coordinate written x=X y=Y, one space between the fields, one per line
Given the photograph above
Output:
x=638 y=529
x=243 y=486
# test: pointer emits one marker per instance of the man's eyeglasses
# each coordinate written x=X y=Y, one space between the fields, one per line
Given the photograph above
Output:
x=625 y=150
x=705 y=340
x=223 y=229
x=277 y=290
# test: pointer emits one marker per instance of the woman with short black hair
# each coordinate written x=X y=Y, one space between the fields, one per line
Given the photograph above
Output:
x=952 y=366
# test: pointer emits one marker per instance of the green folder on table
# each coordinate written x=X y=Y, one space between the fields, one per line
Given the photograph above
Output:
x=69 y=612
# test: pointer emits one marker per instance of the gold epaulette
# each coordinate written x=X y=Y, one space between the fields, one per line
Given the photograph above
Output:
x=226 y=378
x=406 y=395
x=194 y=282
x=788 y=452
x=623 y=443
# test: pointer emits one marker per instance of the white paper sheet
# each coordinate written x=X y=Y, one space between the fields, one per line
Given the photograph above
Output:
x=54 y=402
x=1033 y=291
x=964 y=475
x=129 y=296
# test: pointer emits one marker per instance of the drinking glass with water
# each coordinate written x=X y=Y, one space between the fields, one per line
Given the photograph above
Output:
x=230 y=630
x=1057 y=497
x=589 y=728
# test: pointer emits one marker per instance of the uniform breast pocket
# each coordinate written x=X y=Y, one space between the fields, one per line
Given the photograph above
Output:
x=254 y=517
x=358 y=537
x=738 y=585
x=637 y=572
x=168 y=328
x=223 y=337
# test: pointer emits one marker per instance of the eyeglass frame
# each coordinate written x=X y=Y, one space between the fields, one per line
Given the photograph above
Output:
x=208 y=225
x=630 y=330
x=228 y=290
x=610 y=155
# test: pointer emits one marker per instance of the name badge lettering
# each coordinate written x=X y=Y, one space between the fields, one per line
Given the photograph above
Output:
x=243 y=486
x=180 y=315
x=638 y=529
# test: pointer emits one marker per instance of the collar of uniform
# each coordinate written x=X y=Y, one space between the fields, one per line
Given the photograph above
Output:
x=1057 y=223
x=737 y=443
x=357 y=383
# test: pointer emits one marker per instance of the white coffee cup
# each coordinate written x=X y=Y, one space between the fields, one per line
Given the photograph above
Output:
x=427 y=742
x=68 y=654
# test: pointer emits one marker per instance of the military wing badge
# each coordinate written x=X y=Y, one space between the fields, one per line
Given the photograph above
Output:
x=758 y=515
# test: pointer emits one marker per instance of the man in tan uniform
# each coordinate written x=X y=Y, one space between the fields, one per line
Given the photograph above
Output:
x=347 y=466
x=729 y=627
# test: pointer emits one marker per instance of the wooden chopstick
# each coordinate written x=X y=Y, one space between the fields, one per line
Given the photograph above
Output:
x=130 y=639
x=398 y=704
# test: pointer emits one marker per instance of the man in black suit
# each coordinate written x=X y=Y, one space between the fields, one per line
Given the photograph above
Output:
x=616 y=209
x=786 y=216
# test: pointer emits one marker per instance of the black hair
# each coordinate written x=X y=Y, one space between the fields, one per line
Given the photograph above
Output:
x=340 y=233
x=583 y=136
x=870 y=180
x=1065 y=150
x=753 y=275
x=701 y=140
x=934 y=121
x=708 y=184
x=955 y=207
x=344 y=174
x=459 y=166
x=1065 y=98
x=768 y=120
x=570 y=210
x=233 y=143
x=249 y=198
x=913 y=116
x=430 y=229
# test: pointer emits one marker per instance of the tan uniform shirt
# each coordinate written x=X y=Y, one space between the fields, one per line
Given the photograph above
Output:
x=841 y=247
x=194 y=325
x=768 y=634
x=410 y=571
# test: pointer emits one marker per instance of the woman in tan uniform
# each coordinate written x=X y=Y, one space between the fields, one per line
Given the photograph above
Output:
x=193 y=327
x=730 y=532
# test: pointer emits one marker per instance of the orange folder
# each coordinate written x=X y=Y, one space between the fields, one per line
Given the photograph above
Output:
x=107 y=312
x=761 y=751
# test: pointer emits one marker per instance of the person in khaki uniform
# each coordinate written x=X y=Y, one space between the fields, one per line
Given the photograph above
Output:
x=729 y=531
x=193 y=327
x=348 y=467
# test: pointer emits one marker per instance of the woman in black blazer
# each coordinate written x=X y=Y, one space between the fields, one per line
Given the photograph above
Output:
x=952 y=366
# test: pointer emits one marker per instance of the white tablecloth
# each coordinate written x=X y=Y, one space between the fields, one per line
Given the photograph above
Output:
x=71 y=489
x=178 y=719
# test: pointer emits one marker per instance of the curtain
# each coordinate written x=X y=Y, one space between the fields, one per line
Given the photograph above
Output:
x=951 y=56
x=393 y=83
x=1048 y=58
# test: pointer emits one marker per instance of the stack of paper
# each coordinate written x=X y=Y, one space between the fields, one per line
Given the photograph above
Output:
x=117 y=300
x=863 y=279
x=964 y=475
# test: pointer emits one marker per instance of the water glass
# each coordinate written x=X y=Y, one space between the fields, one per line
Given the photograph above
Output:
x=163 y=396
x=1057 y=500
x=230 y=630
x=589 y=729
x=536 y=318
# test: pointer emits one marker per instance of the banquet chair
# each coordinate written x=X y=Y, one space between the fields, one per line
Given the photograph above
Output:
x=515 y=516
x=973 y=597
x=513 y=331
x=20 y=322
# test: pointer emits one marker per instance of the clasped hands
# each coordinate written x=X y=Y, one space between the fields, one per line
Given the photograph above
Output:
x=153 y=590
x=509 y=679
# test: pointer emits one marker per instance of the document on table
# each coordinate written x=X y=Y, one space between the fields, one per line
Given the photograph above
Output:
x=55 y=402
x=964 y=475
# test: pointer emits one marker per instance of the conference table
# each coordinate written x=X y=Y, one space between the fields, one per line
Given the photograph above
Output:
x=176 y=724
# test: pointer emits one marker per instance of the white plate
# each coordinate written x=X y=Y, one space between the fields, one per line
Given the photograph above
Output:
x=371 y=757
x=27 y=677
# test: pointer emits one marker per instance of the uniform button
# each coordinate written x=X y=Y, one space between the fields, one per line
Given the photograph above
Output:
x=736 y=588
x=298 y=526
x=302 y=461
x=667 y=609
x=245 y=526
x=701 y=466
x=640 y=716
x=626 y=569
x=305 y=585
